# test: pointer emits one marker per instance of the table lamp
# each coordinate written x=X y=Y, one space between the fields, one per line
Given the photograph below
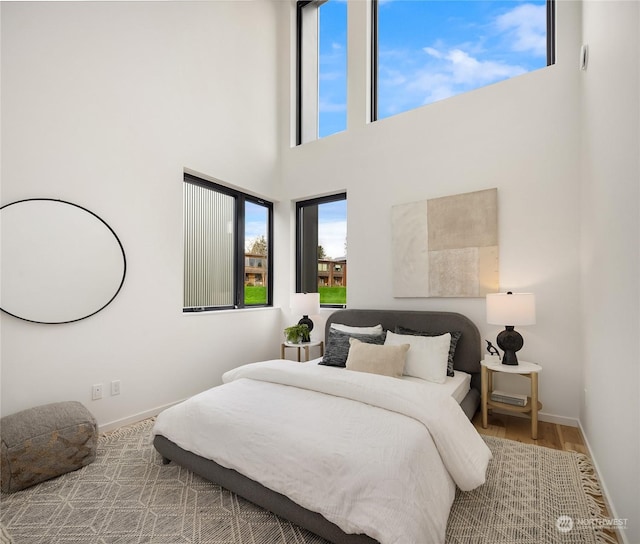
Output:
x=511 y=309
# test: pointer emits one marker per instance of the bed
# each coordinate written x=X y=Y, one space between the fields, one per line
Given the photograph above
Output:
x=344 y=422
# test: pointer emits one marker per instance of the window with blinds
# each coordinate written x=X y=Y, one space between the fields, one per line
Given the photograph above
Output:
x=227 y=247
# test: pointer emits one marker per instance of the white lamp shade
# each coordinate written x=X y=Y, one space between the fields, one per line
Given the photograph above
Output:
x=305 y=303
x=511 y=309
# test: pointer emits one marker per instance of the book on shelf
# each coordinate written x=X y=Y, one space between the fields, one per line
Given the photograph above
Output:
x=509 y=398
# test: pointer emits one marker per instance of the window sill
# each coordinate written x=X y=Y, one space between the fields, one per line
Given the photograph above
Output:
x=232 y=310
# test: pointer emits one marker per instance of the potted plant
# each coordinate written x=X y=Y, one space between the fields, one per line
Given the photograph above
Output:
x=297 y=333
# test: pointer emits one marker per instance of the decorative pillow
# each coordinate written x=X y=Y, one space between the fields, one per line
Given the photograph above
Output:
x=428 y=356
x=337 y=349
x=357 y=330
x=455 y=336
x=384 y=360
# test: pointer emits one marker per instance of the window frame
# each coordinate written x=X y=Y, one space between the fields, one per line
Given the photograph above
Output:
x=551 y=50
x=551 y=32
x=300 y=103
x=300 y=288
x=240 y=199
x=308 y=72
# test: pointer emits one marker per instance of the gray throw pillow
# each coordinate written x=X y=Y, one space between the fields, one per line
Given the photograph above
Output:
x=337 y=348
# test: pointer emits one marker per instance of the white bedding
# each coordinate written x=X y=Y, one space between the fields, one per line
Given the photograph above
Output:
x=350 y=445
x=457 y=385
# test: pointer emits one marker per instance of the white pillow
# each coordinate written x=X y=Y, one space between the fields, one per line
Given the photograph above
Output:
x=357 y=330
x=428 y=356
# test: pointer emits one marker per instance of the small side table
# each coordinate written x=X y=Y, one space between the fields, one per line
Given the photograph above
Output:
x=302 y=345
x=531 y=371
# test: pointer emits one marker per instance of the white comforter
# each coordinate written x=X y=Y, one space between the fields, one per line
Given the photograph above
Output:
x=372 y=454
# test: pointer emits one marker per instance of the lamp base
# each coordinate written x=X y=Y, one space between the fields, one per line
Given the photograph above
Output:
x=306 y=321
x=510 y=341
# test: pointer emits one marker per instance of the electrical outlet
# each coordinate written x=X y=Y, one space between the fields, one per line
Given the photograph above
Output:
x=96 y=391
x=115 y=387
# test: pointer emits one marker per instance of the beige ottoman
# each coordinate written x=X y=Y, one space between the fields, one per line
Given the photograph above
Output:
x=44 y=442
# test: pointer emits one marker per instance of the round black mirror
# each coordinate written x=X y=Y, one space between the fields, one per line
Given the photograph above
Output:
x=60 y=261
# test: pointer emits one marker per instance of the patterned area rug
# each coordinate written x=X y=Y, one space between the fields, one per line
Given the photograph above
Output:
x=533 y=495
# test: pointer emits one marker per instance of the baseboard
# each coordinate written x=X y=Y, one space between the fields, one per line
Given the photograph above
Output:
x=113 y=425
x=542 y=416
x=560 y=420
x=605 y=492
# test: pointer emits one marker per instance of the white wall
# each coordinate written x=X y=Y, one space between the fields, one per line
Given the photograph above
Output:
x=103 y=105
x=521 y=136
x=610 y=412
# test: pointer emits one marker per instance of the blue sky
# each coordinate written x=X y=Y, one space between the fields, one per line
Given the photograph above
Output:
x=333 y=67
x=429 y=50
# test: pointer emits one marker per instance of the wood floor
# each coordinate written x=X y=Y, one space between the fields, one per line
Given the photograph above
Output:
x=550 y=435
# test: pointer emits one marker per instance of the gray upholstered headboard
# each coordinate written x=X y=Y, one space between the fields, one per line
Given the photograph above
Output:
x=468 y=351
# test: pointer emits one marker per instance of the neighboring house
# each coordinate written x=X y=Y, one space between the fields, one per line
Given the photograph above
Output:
x=255 y=269
x=332 y=272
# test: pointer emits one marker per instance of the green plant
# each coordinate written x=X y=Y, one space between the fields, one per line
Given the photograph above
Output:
x=297 y=333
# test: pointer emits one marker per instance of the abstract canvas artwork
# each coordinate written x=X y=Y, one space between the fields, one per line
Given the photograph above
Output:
x=446 y=247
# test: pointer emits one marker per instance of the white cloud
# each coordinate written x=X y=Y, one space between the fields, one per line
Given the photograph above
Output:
x=468 y=70
x=433 y=52
x=455 y=71
x=394 y=78
x=527 y=27
x=328 y=107
x=332 y=237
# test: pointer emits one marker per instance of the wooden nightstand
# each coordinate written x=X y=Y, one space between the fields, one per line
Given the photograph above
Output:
x=531 y=371
x=303 y=345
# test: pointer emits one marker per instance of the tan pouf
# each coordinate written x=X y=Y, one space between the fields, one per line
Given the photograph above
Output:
x=44 y=442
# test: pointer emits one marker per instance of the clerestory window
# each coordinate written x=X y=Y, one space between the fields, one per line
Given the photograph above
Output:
x=426 y=51
x=321 y=68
